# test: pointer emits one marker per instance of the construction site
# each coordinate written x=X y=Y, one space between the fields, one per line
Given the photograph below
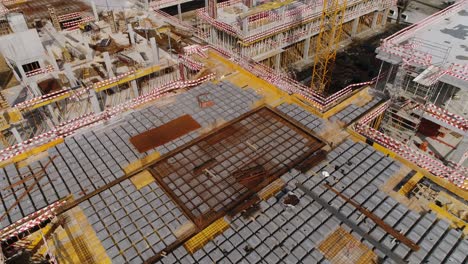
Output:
x=239 y=131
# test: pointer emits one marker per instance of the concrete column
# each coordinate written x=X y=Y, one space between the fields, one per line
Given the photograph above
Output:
x=131 y=34
x=42 y=64
x=245 y=25
x=16 y=134
x=374 y=19
x=179 y=11
x=306 y=48
x=93 y=5
x=254 y=3
x=52 y=58
x=355 y=27
x=385 y=16
x=170 y=45
x=154 y=50
x=282 y=11
x=89 y=51
x=35 y=88
x=213 y=36
x=53 y=114
x=213 y=8
x=70 y=75
x=134 y=88
x=19 y=66
x=108 y=63
x=94 y=101
x=146 y=4
x=278 y=62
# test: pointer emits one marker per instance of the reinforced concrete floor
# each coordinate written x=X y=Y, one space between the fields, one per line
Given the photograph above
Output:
x=88 y=161
x=280 y=235
x=136 y=222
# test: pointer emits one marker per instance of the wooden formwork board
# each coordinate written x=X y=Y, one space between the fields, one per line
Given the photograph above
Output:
x=340 y=247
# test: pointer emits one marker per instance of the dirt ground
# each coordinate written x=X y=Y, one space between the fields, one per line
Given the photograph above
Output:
x=357 y=63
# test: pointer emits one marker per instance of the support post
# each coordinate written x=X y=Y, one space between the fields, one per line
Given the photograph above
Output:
x=213 y=36
x=245 y=25
x=95 y=13
x=170 y=46
x=94 y=101
x=154 y=50
x=89 y=51
x=305 y=55
x=212 y=8
x=374 y=19
x=35 y=88
x=385 y=16
x=179 y=11
x=70 y=75
x=41 y=63
x=52 y=59
x=16 y=134
x=131 y=34
x=53 y=115
x=108 y=63
x=355 y=27
x=134 y=85
x=278 y=62
x=21 y=70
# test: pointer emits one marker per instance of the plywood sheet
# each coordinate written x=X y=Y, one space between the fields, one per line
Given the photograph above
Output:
x=161 y=135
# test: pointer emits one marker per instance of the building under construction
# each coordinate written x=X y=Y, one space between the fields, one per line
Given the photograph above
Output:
x=132 y=136
x=283 y=34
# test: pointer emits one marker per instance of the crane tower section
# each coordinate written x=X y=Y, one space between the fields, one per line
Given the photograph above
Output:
x=327 y=43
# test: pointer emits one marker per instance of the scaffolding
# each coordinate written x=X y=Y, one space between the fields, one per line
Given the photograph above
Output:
x=279 y=34
x=412 y=89
x=409 y=103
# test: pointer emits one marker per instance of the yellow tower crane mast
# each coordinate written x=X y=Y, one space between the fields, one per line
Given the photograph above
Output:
x=331 y=27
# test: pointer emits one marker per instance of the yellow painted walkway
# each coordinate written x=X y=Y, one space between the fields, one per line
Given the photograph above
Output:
x=201 y=239
x=76 y=242
x=405 y=189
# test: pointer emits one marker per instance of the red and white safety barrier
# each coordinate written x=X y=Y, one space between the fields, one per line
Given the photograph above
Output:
x=455 y=174
x=30 y=221
x=195 y=49
x=190 y=63
x=40 y=99
x=290 y=85
x=75 y=24
x=47 y=69
x=69 y=16
x=69 y=127
x=447 y=117
x=100 y=84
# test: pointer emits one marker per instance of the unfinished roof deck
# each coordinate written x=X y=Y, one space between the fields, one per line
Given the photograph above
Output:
x=439 y=41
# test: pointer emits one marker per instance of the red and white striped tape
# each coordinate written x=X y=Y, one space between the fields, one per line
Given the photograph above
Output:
x=453 y=174
x=69 y=127
x=30 y=221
